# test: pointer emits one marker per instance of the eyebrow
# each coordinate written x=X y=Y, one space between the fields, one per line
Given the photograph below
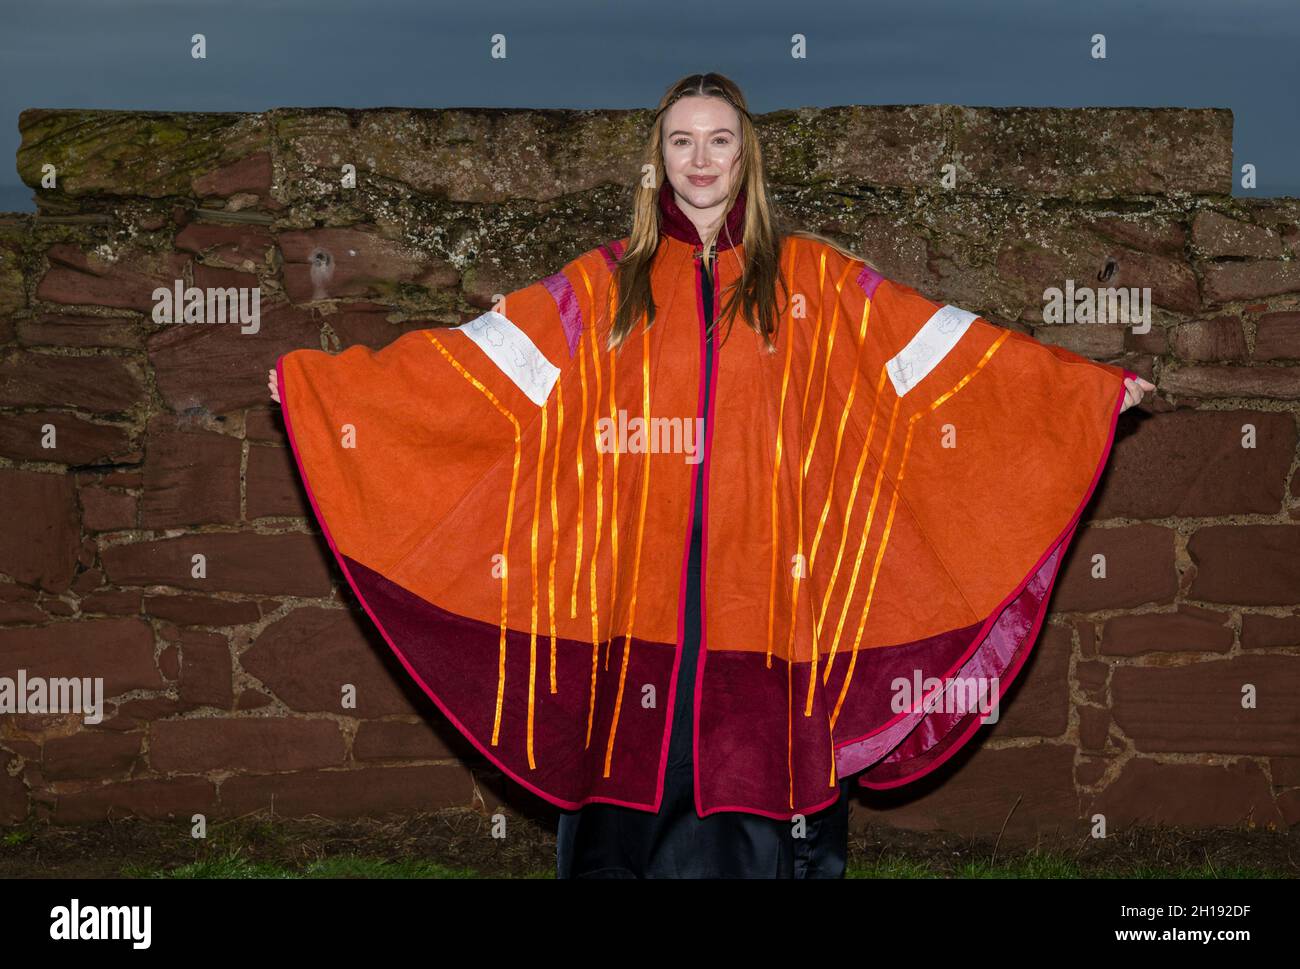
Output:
x=713 y=132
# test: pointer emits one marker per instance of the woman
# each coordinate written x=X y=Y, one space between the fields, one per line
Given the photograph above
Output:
x=698 y=139
x=559 y=447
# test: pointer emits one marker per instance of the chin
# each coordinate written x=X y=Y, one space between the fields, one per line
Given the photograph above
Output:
x=703 y=198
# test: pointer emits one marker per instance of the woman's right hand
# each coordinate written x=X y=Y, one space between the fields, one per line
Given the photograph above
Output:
x=273 y=384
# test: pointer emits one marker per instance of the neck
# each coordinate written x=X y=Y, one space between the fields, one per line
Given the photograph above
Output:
x=674 y=221
x=705 y=228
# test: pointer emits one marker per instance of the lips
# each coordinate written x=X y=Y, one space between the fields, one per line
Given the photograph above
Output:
x=702 y=179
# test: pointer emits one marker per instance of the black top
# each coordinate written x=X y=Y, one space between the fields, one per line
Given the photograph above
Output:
x=681 y=746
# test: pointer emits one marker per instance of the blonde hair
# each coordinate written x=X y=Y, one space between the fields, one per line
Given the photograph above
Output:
x=754 y=291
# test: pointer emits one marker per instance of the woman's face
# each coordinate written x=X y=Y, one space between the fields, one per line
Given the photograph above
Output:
x=701 y=140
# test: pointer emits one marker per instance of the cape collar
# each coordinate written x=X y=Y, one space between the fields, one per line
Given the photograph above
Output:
x=674 y=222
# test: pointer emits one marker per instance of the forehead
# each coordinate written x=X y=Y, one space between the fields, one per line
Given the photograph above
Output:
x=697 y=113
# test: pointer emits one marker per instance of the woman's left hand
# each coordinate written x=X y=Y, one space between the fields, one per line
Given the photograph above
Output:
x=1133 y=390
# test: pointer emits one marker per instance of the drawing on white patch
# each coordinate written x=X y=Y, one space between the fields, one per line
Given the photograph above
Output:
x=514 y=353
x=931 y=343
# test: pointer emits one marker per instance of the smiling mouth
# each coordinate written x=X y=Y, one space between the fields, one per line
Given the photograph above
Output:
x=702 y=179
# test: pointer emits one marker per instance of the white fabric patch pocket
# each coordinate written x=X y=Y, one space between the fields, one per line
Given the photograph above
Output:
x=518 y=357
x=932 y=343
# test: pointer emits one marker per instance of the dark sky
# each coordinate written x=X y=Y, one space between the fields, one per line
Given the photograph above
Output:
x=135 y=54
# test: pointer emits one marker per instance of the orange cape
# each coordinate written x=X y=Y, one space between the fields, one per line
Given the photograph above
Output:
x=888 y=498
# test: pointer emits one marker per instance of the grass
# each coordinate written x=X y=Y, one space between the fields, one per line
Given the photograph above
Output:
x=1046 y=865
x=459 y=844
x=234 y=865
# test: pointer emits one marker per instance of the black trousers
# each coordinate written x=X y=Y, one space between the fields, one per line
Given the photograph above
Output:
x=610 y=841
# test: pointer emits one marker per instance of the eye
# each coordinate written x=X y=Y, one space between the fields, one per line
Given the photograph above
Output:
x=723 y=140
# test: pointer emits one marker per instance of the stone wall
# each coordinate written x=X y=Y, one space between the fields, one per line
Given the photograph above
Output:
x=126 y=445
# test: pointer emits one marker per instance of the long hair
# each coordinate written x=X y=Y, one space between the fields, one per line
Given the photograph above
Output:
x=753 y=293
